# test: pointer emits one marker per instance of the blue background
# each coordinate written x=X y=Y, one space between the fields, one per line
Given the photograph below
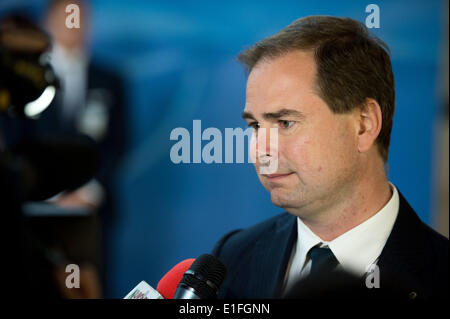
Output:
x=177 y=60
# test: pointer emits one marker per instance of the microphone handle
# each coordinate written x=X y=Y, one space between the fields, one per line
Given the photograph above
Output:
x=185 y=292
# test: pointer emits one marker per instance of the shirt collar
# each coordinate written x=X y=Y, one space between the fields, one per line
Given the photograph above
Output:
x=357 y=249
x=64 y=61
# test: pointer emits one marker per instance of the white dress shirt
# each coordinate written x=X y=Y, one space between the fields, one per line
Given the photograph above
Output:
x=71 y=68
x=356 y=250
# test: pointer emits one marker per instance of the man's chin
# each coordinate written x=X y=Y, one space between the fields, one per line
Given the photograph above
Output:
x=282 y=198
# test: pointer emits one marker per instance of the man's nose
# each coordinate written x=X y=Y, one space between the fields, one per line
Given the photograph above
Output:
x=267 y=143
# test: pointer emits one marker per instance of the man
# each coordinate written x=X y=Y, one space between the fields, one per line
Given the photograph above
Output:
x=91 y=102
x=327 y=85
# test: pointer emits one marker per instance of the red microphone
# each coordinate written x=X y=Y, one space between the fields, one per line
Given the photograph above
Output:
x=169 y=283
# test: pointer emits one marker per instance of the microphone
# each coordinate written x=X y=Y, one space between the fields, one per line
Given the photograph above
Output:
x=168 y=284
x=202 y=280
x=189 y=279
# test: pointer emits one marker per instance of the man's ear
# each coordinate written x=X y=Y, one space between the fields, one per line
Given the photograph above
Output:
x=370 y=122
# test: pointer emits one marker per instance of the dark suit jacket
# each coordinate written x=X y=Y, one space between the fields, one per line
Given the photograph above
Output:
x=113 y=145
x=414 y=259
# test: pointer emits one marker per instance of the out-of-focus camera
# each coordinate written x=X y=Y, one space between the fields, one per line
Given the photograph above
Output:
x=27 y=81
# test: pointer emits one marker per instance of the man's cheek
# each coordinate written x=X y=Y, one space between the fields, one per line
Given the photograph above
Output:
x=310 y=163
x=299 y=155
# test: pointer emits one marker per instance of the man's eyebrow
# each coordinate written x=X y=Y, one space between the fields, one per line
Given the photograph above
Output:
x=283 y=113
x=275 y=115
x=247 y=115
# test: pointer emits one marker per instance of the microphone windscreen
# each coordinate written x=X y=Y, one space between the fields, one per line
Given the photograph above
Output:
x=169 y=283
x=205 y=277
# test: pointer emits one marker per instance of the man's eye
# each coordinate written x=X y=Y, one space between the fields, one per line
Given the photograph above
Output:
x=254 y=125
x=285 y=124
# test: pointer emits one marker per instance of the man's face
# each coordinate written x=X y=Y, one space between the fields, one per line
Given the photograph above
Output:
x=56 y=23
x=317 y=149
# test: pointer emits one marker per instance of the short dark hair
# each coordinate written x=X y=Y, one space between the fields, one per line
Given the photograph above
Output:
x=352 y=64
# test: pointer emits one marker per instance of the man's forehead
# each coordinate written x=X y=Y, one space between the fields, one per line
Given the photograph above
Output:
x=288 y=73
x=280 y=85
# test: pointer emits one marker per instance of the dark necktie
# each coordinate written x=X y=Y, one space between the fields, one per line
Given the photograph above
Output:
x=323 y=260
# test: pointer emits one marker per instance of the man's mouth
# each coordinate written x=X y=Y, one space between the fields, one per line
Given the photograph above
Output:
x=276 y=177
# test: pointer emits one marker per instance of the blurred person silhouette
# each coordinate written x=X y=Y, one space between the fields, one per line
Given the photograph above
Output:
x=35 y=168
x=90 y=102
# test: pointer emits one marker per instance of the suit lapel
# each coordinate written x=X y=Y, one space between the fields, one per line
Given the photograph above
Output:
x=405 y=252
x=269 y=262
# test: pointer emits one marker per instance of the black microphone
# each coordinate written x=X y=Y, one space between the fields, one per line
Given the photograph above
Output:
x=50 y=165
x=202 y=280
